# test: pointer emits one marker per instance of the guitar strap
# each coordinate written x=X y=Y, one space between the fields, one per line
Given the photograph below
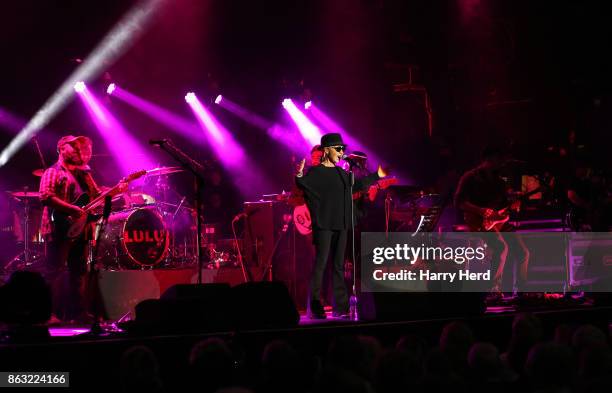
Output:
x=83 y=179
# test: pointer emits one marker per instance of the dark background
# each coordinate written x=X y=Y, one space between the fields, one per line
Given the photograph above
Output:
x=520 y=73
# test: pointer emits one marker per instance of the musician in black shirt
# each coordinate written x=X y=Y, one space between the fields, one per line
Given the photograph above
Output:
x=482 y=196
x=327 y=191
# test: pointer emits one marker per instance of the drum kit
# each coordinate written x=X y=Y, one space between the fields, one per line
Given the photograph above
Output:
x=145 y=230
x=413 y=209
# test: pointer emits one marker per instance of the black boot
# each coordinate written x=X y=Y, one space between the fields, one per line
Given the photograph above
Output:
x=316 y=310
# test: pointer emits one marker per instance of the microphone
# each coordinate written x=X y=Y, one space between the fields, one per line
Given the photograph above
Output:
x=353 y=160
x=158 y=142
x=348 y=158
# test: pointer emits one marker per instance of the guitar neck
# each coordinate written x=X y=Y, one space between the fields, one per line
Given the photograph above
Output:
x=99 y=200
x=112 y=191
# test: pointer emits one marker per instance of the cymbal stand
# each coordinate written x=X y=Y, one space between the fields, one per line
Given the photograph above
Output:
x=172 y=255
x=197 y=169
x=27 y=257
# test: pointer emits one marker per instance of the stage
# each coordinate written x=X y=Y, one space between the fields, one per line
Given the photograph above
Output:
x=85 y=356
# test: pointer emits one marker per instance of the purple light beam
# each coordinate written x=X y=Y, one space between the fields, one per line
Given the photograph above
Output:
x=309 y=131
x=247 y=176
x=123 y=146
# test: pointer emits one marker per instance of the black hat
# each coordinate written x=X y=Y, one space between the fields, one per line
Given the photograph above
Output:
x=332 y=139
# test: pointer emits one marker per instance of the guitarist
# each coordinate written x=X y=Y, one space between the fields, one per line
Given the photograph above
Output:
x=481 y=194
x=60 y=186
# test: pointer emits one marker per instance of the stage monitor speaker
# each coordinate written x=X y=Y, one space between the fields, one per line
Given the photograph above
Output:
x=186 y=308
x=590 y=262
x=265 y=304
x=195 y=291
x=406 y=306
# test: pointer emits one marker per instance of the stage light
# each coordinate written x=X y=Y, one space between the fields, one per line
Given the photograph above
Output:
x=115 y=136
x=218 y=99
x=248 y=177
x=173 y=121
x=309 y=131
x=110 y=88
x=112 y=46
x=79 y=87
x=289 y=137
x=308 y=104
x=190 y=97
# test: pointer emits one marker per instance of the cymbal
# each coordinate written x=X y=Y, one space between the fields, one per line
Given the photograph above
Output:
x=25 y=194
x=164 y=170
x=38 y=172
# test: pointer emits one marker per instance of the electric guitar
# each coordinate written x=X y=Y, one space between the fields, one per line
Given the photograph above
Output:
x=63 y=224
x=494 y=222
x=373 y=189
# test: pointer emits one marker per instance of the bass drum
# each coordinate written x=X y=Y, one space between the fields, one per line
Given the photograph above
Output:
x=134 y=239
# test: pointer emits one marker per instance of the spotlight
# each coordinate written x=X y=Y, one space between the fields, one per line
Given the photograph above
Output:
x=218 y=99
x=116 y=42
x=308 y=104
x=110 y=88
x=190 y=97
x=287 y=102
x=79 y=87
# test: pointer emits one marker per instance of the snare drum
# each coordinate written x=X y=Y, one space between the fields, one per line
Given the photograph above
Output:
x=134 y=239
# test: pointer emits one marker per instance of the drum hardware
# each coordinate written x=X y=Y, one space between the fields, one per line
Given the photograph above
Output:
x=163 y=170
x=161 y=185
x=28 y=256
x=219 y=259
x=413 y=211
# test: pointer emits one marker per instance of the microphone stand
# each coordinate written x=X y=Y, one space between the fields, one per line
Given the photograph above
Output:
x=197 y=170
x=353 y=300
x=95 y=329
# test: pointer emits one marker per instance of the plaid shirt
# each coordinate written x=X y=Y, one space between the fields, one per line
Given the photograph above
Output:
x=57 y=181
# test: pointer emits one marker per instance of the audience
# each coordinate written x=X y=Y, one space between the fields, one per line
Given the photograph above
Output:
x=140 y=370
x=212 y=365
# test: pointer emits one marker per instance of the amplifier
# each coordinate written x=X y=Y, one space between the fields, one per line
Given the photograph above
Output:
x=272 y=243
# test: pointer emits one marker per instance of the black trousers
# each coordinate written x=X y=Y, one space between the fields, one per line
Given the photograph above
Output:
x=66 y=265
x=330 y=243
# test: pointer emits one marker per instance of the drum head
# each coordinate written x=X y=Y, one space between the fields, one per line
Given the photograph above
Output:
x=145 y=237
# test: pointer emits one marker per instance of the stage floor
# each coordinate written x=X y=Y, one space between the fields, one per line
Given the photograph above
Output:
x=554 y=306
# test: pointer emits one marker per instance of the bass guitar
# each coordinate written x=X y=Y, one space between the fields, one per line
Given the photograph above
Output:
x=497 y=218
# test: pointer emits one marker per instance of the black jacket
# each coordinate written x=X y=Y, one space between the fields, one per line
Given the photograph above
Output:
x=328 y=196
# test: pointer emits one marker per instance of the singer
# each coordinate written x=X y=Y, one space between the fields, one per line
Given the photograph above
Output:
x=61 y=184
x=327 y=191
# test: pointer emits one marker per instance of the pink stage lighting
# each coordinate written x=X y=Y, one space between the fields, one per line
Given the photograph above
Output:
x=123 y=146
x=246 y=173
x=308 y=104
x=289 y=137
x=175 y=123
x=79 y=87
x=111 y=88
x=309 y=131
x=190 y=98
x=218 y=99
